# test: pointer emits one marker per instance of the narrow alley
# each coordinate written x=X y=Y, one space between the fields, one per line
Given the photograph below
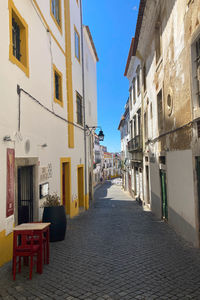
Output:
x=113 y=251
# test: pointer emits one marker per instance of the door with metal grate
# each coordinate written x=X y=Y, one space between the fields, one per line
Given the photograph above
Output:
x=25 y=194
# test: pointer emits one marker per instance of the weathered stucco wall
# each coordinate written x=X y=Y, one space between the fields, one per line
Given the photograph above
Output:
x=180 y=190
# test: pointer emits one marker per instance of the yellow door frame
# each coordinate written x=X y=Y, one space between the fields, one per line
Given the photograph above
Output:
x=80 y=185
x=66 y=161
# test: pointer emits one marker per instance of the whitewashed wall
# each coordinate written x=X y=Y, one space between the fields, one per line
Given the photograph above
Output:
x=180 y=188
x=38 y=125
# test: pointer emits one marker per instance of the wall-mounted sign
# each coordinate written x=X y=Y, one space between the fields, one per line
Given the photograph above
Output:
x=44 y=190
x=10 y=182
x=43 y=174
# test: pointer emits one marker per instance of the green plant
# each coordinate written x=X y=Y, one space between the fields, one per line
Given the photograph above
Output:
x=51 y=200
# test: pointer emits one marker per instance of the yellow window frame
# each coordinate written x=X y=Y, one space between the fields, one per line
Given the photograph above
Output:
x=24 y=63
x=59 y=26
x=76 y=32
x=59 y=101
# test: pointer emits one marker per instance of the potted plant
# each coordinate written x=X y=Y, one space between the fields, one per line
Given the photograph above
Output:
x=54 y=213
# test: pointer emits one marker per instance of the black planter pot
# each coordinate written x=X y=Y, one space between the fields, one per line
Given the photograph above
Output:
x=57 y=217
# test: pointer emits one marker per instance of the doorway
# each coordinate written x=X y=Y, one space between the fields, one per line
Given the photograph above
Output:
x=66 y=183
x=164 y=194
x=80 y=174
x=147 y=186
x=198 y=185
x=25 y=194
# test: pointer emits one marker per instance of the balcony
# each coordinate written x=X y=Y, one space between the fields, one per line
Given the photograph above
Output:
x=135 y=144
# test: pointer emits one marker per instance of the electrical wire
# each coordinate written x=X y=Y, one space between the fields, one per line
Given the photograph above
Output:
x=47 y=109
x=153 y=141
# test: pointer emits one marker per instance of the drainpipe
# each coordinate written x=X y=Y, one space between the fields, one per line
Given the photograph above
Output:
x=83 y=95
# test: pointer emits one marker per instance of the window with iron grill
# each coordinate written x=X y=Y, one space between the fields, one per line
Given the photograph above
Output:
x=58 y=94
x=55 y=8
x=16 y=39
x=79 y=109
x=198 y=68
x=57 y=86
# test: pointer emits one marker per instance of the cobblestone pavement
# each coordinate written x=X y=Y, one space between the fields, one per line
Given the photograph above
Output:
x=113 y=251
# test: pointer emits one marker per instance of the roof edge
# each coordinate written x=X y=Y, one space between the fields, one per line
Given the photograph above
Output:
x=91 y=41
x=139 y=24
x=130 y=54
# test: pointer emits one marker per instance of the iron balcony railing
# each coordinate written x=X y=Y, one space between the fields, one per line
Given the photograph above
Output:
x=135 y=144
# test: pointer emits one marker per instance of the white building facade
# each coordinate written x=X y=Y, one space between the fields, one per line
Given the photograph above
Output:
x=43 y=124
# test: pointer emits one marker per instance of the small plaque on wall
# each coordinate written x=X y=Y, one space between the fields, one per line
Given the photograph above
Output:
x=44 y=190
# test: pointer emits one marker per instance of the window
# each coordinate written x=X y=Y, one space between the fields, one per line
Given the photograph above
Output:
x=134 y=95
x=151 y=111
x=160 y=111
x=145 y=126
x=139 y=121
x=130 y=98
x=18 y=52
x=134 y=126
x=56 y=12
x=198 y=69
x=57 y=86
x=131 y=127
x=198 y=129
x=79 y=109
x=158 y=36
x=77 y=44
x=16 y=39
x=138 y=80
x=144 y=77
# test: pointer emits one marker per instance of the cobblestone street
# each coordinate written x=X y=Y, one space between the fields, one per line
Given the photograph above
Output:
x=113 y=251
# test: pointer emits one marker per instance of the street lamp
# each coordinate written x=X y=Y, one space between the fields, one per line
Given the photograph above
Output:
x=89 y=130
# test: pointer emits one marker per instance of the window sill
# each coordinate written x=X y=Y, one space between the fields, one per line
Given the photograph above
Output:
x=78 y=59
x=15 y=61
x=79 y=124
x=60 y=102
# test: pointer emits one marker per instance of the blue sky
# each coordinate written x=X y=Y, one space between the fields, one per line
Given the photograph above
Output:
x=112 y=25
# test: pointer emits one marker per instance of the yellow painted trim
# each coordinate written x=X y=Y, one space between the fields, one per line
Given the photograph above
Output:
x=47 y=26
x=79 y=52
x=60 y=16
x=74 y=209
x=80 y=185
x=69 y=84
x=6 y=247
x=24 y=63
x=66 y=160
x=59 y=101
